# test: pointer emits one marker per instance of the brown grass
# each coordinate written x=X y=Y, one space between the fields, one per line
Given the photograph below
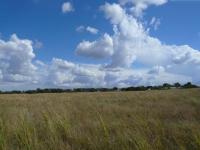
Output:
x=151 y=120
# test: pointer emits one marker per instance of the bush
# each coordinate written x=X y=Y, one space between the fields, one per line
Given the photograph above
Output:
x=189 y=85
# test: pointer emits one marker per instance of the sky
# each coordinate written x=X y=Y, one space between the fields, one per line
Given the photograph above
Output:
x=101 y=43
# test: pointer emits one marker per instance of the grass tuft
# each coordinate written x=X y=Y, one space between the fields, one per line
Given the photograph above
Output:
x=150 y=120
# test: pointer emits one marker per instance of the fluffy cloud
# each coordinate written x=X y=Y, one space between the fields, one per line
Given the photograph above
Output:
x=123 y=77
x=113 y=12
x=89 y=29
x=62 y=73
x=128 y=34
x=67 y=7
x=92 y=30
x=16 y=60
x=129 y=45
x=158 y=75
x=101 y=48
x=133 y=44
x=140 y=5
x=68 y=74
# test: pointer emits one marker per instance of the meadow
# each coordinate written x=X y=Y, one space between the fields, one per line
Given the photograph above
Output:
x=148 y=120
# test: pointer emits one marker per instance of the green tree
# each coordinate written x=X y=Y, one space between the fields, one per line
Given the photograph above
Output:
x=177 y=85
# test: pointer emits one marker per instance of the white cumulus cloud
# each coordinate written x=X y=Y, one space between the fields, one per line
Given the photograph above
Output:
x=67 y=7
x=101 y=48
x=129 y=45
x=16 y=57
x=63 y=73
x=133 y=44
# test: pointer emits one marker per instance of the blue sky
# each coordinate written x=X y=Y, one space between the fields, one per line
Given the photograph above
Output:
x=44 y=22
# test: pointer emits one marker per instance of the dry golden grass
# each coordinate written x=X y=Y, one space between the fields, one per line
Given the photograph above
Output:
x=150 y=120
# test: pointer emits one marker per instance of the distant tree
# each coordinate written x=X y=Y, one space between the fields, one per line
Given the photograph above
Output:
x=15 y=92
x=177 y=85
x=30 y=92
x=139 y=88
x=115 y=89
x=90 y=90
x=38 y=90
x=78 y=90
x=149 y=87
x=189 y=85
x=103 y=90
x=68 y=90
x=129 y=89
x=166 y=85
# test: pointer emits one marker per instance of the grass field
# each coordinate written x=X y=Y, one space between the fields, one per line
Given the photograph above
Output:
x=150 y=120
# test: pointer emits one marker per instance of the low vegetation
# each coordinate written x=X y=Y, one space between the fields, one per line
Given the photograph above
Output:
x=143 y=120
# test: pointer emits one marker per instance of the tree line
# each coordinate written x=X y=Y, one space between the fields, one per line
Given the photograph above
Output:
x=165 y=86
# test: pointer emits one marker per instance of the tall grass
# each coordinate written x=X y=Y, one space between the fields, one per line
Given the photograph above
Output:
x=151 y=120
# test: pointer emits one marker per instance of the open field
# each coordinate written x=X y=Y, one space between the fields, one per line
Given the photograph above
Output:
x=150 y=120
